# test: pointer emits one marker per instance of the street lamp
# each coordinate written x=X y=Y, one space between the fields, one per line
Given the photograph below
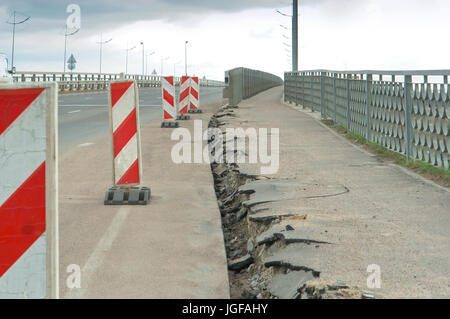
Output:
x=101 y=48
x=185 y=57
x=126 y=63
x=65 y=45
x=14 y=35
x=174 y=68
x=162 y=64
x=294 y=29
x=143 y=55
x=283 y=14
x=146 y=61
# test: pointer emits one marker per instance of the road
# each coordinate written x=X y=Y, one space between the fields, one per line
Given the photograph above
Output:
x=171 y=248
x=83 y=117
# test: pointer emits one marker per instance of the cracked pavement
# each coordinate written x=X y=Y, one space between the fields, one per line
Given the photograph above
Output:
x=346 y=210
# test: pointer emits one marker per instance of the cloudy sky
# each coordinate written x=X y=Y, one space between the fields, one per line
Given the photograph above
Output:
x=334 y=34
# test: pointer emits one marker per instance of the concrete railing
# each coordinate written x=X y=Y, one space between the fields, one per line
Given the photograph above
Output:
x=80 y=82
x=244 y=83
x=404 y=111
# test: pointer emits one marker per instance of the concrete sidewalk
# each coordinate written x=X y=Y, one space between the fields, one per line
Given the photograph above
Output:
x=348 y=210
x=171 y=248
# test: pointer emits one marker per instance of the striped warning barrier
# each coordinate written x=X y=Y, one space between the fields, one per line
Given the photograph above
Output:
x=126 y=146
x=194 y=95
x=168 y=102
x=124 y=119
x=28 y=191
x=185 y=86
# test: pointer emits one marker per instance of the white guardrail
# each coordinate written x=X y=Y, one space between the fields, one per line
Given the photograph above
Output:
x=82 y=82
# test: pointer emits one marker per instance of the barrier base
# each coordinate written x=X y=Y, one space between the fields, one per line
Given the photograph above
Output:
x=127 y=196
x=169 y=124
x=195 y=111
x=183 y=117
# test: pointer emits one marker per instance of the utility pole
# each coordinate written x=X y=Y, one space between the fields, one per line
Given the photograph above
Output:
x=65 y=45
x=101 y=47
x=14 y=35
x=185 y=57
x=294 y=35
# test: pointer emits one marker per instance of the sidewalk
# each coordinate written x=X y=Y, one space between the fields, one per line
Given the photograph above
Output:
x=348 y=209
x=171 y=248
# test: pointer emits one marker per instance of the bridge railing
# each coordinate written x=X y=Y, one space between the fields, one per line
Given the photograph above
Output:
x=79 y=82
x=243 y=83
x=405 y=111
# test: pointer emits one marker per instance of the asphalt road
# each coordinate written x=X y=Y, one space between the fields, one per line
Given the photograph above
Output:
x=83 y=117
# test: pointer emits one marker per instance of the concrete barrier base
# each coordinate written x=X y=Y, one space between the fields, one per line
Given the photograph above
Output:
x=169 y=124
x=127 y=196
x=183 y=117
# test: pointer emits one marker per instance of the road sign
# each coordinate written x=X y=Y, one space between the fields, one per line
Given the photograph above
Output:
x=71 y=63
x=28 y=191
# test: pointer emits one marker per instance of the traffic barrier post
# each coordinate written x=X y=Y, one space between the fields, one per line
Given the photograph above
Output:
x=29 y=191
x=126 y=146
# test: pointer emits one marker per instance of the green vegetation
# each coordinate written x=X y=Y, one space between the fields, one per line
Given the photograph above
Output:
x=438 y=174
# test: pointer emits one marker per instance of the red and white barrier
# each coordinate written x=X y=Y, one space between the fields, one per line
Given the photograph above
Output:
x=185 y=87
x=194 y=94
x=28 y=191
x=124 y=123
x=168 y=99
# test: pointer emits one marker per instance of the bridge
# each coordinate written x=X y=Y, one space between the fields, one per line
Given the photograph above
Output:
x=321 y=184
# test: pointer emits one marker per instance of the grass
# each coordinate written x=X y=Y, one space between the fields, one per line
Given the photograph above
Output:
x=439 y=175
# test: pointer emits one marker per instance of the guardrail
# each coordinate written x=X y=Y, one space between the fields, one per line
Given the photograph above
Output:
x=79 y=82
x=244 y=83
x=404 y=111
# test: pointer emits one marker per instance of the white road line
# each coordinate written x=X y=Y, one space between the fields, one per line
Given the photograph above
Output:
x=80 y=104
x=102 y=105
x=95 y=260
x=73 y=111
x=85 y=144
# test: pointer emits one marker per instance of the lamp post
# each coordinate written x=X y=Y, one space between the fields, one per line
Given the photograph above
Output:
x=295 y=35
x=101 y=48
x=146 y=61
x=65 y=45
x=14 y=36
x=185 y=57
x=126 y=63
x=174 y=68
x=143 y=56
x=162 y=64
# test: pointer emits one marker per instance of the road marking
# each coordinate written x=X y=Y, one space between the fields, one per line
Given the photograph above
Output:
x=91 y=105
x=85 y=144
x=73 y=111
x=95 y=260
x=72 y=105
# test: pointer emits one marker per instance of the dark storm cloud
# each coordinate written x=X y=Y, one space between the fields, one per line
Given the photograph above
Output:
x=107 y=12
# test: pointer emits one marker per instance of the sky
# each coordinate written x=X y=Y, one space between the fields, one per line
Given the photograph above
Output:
x=333 y=34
